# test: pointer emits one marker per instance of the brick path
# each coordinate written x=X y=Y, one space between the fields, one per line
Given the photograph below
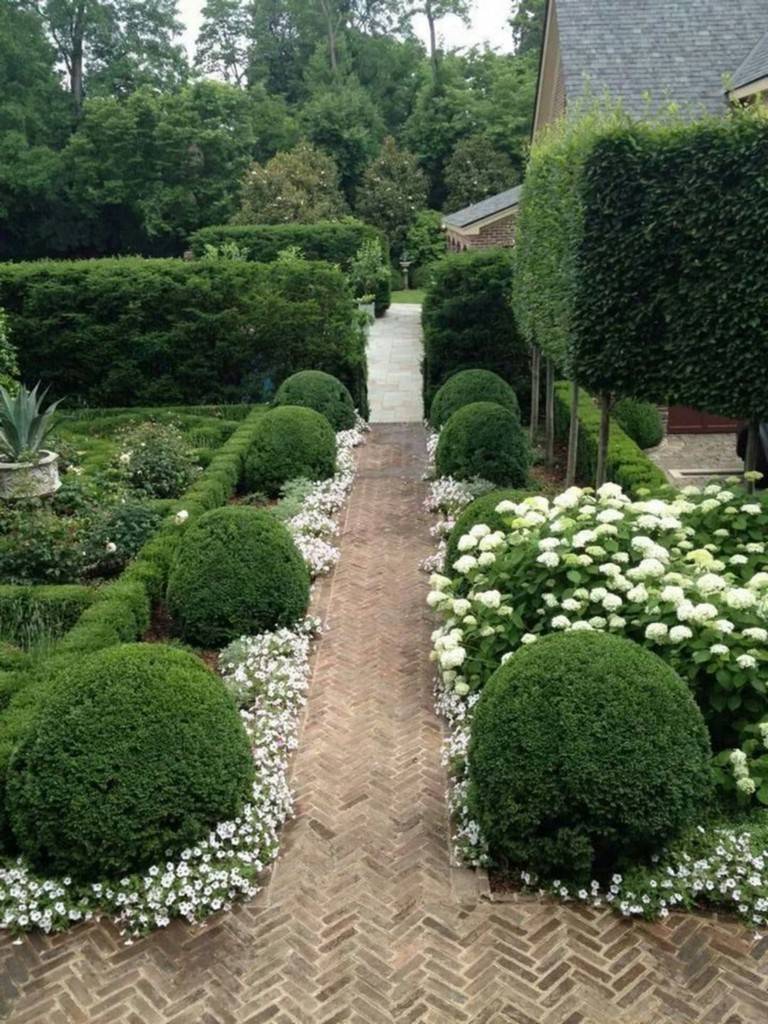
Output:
x=363 y=920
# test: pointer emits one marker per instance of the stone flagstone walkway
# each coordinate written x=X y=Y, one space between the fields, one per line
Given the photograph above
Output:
x=394 y=366
x=363 y=919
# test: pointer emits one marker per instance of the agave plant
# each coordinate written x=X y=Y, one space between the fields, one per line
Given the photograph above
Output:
x=24 y=424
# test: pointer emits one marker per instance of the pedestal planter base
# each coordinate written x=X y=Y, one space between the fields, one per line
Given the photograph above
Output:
x=30 y=479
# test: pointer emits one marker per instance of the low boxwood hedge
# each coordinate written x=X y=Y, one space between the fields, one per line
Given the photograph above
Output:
x=322 y=392
x=639 y=420
x=291 y=443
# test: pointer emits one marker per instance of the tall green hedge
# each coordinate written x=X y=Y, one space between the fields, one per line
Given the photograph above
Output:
x=469 y=324
x=121 y=332
x=332 y=241
x=672 y=302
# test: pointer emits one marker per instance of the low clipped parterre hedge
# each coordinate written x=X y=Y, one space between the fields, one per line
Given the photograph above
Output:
x=587 y=752
x=628 y=465
x=331 y=241
x=123 y=332
x=237 y=573
x=138 y=751
x=29 y=614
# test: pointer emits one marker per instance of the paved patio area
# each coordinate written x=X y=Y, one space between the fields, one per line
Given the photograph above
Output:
x=697 y=458
x=394 y=366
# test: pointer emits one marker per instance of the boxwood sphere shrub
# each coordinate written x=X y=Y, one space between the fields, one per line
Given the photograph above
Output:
x=470 y=386
x=481 y=510
x=316 y=390
x=291 y=442
x=138 y=750
x=641 y=420
x=587 y=750
x=484 y=440
x=237 y=572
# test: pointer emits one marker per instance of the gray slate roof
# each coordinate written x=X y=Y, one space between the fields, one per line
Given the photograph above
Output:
x=754 y=67
x=669 y=49
x=487 y=208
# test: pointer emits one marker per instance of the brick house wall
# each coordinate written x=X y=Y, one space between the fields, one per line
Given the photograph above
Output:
x=499 y=233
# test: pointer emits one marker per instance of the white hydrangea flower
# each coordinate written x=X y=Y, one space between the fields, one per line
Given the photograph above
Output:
x=489 y=598
x=746 y=661
x=506 y=508
x=711 y=583
x=465 y=564
x=528 y=638
x=610 y=491
x=756 y=633
x=612 y=602
x=569 y=498
x=610 y=515
x=673 y=595
x=480 y=530
x=679 y=633
x=560 y=622
x=492 y=541
x=486 y=559
x=549 y=544
x=740 y=598
x=467 y=542
x=656 y=631
x=549 y=559
x=723 y=626
x=461 y=607
x=581 y=626
x=181 y=517
x=752 y=509
x=439 y=582
x=746 y=785
x=453 y=658
x=719 y=650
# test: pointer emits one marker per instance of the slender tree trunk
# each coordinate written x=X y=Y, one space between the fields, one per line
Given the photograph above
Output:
x=605 y=433
x=535 y=391
x=549 y=413
x=330 y=22
x=432 y=41
x=750 y=458
x=573 y=437
x=76 y=63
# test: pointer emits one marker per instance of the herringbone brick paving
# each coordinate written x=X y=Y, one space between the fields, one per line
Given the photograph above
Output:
x=363 y=919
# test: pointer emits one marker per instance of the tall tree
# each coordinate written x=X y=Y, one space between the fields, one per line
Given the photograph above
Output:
x=224 y=40
x=477 y=170
x=434 y=11
x=113 y=46
x=392 y=192
x=527 y=24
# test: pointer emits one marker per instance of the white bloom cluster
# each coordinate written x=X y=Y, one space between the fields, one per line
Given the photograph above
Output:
x=269 y=676
x=314 y=526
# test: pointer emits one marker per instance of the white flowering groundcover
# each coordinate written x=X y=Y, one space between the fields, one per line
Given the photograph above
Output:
x=684 y=576
x=268 y=676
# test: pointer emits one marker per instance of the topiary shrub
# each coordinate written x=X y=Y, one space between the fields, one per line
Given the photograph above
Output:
x=484 y=440
x=291 y=442
x=467 y=387
x=641 y=421
x=237 y=572
x=313 y=389
x=586 y=751
x=138 y=750
x=481 y=510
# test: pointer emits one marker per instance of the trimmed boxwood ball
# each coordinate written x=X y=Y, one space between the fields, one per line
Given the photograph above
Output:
x=291 y=442
x=587 y=752
x=641 y=421
x=481 y=510
x=467 y=387
x=138 y=750
x=322 y=392
x=484 y=440
x=237 y=572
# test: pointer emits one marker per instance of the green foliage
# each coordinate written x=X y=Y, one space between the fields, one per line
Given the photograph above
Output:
x=331 y=241
x=155 y=460
x=9 y=360
x=587 y=752
x=138 y=752
x=477 y=170
x=392 y=193
x=31 y=614
x=468 y=322
x=425 y=241
x=143 y=332
x=299 y=186
x=481 y=510
x=484 y=440
x=466 y=387
x=369 y=273
x=640 y=420
x=321 y=392
x=237 y=573
x=691 y=316
x=24 y=423
x=627 y=464
x=291 y=442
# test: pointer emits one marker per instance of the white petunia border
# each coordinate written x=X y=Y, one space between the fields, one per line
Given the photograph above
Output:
x=269 y=678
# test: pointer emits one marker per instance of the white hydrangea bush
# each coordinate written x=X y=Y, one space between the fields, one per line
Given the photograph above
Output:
x=665 y=572
x=268 y=676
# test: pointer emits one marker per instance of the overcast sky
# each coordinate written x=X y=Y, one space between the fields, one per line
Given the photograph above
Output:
x=489 y=26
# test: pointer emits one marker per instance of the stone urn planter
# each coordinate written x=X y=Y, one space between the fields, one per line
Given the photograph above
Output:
x=30 y=479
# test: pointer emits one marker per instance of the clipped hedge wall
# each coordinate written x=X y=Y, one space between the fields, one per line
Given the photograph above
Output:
x=125 y=332
x=627 y=464
x=469 y=324
x=331 y=241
